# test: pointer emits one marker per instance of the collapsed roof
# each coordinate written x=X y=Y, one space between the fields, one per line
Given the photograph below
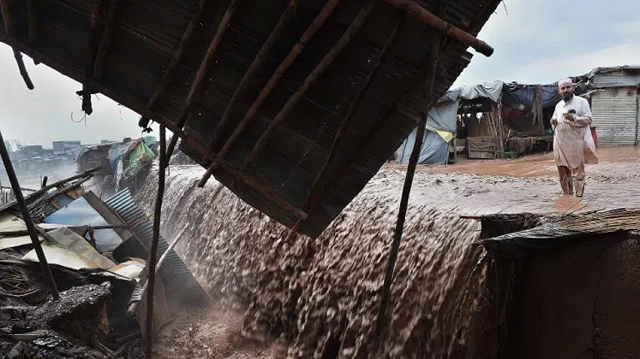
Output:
x=299 y=103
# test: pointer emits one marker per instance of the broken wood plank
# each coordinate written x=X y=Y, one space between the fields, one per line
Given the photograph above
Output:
x=414 y=9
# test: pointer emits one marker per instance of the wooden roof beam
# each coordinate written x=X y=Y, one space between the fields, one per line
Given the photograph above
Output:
x=415 y=10
x=204 y=68
x=239 y=175
x=326 y=61
x=295 y=51
x=248 y=76
x=337 y=141
x=103 y=48
x=175 y=60
x=8 y=26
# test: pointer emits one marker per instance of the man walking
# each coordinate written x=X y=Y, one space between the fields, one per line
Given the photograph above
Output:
x=571 y=118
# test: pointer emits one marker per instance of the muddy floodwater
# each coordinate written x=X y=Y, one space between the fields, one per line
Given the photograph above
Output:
x=317 y=298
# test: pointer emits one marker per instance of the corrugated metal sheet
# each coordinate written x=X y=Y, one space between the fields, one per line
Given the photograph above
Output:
x=178 y=280
x=616 y=80
x=615 y=115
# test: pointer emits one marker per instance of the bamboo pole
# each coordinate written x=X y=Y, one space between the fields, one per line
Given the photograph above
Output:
x=176 y=58
x=248 y=76
x=204 y=68
x=414 y=9
x=324 y=64
x=151 y=262
x=404 y=201
x=337 y=141
x=293 y=54
x=35 y=240
x=103 y=48
x=8 y=26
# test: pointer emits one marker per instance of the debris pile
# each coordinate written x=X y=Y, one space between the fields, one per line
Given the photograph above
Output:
x=95 y=251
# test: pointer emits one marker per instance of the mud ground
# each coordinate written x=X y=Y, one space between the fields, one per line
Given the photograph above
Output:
x=320 y=296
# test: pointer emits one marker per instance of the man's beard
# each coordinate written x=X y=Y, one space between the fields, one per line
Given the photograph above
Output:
x=567 y=97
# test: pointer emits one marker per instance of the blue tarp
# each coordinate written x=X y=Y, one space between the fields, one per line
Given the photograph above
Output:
x=435 y=150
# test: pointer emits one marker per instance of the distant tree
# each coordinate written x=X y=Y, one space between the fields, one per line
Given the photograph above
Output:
x=7 y=144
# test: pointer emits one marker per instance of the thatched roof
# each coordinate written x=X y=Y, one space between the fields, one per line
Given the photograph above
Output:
x=345 y=89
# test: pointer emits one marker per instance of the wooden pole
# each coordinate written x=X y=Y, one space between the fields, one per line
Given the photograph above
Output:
x=204 y=68
x=253 y=69
x=295 y=51
x=151 y=263
x=176 y=58
x=103 y=49
x=35 y=240
x=414 y=9
x=404 y=202
x=337 y=141
x=8 y=26
x=45 y=188
x=326 y=61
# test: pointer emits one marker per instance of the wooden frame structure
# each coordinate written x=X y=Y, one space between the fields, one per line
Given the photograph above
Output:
x=315 y=174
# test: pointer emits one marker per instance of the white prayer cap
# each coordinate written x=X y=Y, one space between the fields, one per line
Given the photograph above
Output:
x=565 y=81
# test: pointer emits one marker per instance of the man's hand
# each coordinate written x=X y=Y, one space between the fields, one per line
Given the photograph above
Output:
x=568 y=117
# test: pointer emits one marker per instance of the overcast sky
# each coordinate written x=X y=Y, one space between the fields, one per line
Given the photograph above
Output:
x=536 y=42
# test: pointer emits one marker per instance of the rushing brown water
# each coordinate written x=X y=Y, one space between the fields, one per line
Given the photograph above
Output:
x=322 y=295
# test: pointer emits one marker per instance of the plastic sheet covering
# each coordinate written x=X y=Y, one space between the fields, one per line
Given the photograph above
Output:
x=435 y=150
x=81 y=213
x=138 y=157
x=444 y=114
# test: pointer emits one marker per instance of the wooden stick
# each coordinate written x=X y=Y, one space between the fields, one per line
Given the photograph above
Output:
x=249 y=75
x=35 y=240
x=204 y=68
x=177 y=55
x=337 y=141
x=326 y=61
x=295 y=51
x=265 y=192
x=151 y=263
x=8 y=26
x=414 y=9
x=44 y=189
x=253 y=69
x=103 y=48
x=23 y=69
x=175 y=59
x=404 y=202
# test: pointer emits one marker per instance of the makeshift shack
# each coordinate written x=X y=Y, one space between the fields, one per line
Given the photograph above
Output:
x=615 y=100
x=488 y=120
x=122 y=163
